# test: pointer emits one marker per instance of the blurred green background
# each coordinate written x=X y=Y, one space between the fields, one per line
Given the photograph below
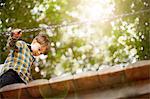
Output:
x=98 y=43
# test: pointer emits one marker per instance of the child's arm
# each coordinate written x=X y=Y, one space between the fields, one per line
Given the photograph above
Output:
x=16 y=34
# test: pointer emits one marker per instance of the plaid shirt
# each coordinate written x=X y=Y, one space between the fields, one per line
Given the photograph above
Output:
x=19 y=59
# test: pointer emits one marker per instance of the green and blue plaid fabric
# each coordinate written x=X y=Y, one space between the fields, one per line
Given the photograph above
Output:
x=20 y=59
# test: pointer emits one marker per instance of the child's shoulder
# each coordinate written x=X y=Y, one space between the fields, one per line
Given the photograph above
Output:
x=21 y=43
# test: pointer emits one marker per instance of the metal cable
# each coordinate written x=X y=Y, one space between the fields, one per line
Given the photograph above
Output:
x=77 y=23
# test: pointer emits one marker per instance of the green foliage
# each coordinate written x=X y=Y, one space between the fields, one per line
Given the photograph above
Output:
x=132 y=31
x=119 y=41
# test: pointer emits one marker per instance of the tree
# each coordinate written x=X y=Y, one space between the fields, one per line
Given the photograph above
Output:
x=80 y=47
x=131 y=34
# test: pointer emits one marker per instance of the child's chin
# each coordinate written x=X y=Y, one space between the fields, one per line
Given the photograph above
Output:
x=35 y=54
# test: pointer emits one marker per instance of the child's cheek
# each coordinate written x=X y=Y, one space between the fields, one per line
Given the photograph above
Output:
x=34 y=47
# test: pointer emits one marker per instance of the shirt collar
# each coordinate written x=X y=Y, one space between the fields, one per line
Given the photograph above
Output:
x=29 y=46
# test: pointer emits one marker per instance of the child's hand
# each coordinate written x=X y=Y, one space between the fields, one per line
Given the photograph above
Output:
x=16 y=34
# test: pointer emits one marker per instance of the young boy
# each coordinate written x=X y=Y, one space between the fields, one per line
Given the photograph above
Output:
x=17 y=66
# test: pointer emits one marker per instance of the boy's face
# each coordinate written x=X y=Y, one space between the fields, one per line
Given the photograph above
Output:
x=36 y=48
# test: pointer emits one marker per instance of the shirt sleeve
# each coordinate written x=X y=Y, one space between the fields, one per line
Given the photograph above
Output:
x=11 y=43
x=14 y=43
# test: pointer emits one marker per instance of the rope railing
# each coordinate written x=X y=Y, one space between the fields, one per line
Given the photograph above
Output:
x=77 y=23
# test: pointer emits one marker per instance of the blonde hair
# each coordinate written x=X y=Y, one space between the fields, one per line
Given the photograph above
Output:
x=44 y=41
